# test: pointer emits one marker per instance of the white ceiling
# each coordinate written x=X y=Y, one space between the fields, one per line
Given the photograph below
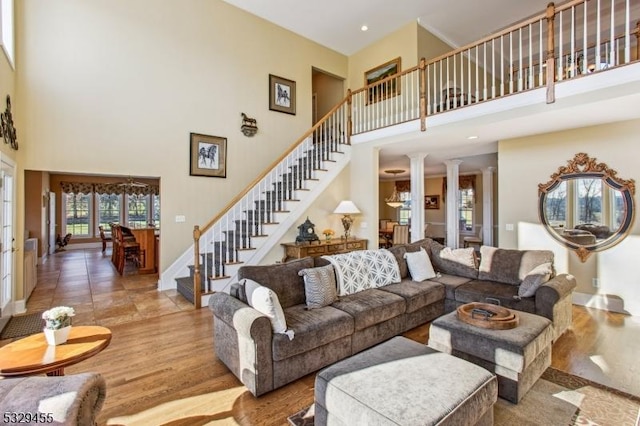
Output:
x=336 y=23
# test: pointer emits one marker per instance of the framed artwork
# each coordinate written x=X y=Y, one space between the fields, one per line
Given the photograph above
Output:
x=386 y=90
x=282 y=95
x=208 y=156
x=432 y=202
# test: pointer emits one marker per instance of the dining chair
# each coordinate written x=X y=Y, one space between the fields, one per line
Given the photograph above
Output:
x=476 y=239
x=104 y=237
x=400 y=235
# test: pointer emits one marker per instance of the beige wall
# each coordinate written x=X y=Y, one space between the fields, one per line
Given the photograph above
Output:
x=115 y=87
x=329 y=91
x=526 y=162
x=402 y=43
x=430 y=46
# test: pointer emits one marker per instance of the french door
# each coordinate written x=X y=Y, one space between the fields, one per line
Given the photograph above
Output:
x=7 y=243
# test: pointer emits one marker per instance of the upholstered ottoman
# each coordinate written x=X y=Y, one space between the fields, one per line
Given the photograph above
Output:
x=403 y=382
x=517 y=356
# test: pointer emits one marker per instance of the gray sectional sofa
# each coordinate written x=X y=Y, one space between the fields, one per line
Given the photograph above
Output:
x=263 y=360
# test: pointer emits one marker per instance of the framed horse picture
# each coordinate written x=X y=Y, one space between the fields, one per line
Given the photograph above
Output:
x=282 y=95
x=208 y=156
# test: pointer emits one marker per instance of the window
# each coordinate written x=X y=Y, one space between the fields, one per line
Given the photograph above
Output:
x=466 y=203
x=138 y=212
x=77 y=214
x=109 y=207
x=6 y=30
x=404 y=212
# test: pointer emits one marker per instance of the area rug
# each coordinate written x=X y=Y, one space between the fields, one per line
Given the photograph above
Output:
x=557 y=398
x=23 y=325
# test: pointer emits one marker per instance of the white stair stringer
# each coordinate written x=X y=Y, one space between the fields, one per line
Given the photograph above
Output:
x=274 y=232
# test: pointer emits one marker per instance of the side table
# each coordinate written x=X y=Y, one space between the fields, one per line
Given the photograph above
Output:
x=32 y=355
x=321 y=248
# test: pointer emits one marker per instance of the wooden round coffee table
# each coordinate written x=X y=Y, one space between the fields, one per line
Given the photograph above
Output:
x=32 y=355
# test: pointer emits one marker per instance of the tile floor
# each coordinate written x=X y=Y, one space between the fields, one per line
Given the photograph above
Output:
x=87 y=281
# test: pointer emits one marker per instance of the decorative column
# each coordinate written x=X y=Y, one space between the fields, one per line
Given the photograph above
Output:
x=417 y=195
x=453 y=209
x=487 y=206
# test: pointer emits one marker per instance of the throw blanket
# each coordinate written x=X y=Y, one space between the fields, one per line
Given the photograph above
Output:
x=363 y=269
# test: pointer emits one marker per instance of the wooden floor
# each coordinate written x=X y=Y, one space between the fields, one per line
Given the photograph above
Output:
x=162 y=369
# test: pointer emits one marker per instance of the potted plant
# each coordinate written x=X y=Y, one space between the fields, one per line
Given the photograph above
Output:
x=57 y=324
x=328 y=233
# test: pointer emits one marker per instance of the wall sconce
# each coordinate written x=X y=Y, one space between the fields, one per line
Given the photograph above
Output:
x=249 y=125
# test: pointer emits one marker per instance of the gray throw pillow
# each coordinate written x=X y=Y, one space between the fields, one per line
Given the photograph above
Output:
x=319 y=286
x=534 y=279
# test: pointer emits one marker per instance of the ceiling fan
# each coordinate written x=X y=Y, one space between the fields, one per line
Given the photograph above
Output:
x=132 y=183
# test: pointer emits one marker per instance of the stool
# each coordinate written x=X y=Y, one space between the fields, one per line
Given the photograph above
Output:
x=403 y=382
x=517 y=356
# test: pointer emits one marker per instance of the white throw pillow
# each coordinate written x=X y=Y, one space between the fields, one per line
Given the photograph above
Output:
x=534 y=279
x=420 y=266
x=265 y=301
x=463 y=256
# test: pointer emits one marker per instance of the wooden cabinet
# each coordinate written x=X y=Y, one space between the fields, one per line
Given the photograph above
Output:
x=146 y=237
x=321 y=248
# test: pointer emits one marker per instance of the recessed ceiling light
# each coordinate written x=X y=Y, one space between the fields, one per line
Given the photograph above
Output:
x=472 y=137
x=364 y=28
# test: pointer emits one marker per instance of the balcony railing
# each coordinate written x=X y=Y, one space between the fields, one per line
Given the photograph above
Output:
x=575 y=39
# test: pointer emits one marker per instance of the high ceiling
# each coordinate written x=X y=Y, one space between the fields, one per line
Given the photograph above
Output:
x=336 y=23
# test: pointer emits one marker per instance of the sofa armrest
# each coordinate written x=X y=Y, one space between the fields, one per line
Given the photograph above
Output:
x=242 y=339
x=70 y=400
x=553 y=301
x=555 y=289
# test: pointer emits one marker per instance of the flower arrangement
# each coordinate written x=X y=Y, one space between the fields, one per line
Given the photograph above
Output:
x=328 y=233
x=58 y=317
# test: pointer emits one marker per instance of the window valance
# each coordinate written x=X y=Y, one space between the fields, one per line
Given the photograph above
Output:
x=108 y=188
x=464 y=182
x=403 y=185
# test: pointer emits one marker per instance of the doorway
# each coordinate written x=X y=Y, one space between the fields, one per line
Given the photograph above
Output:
x=7 y=240
x=327 y=91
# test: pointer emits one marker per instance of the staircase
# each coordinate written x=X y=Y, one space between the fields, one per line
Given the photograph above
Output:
x=260 y=216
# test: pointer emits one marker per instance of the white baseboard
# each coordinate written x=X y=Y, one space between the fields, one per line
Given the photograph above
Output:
x=599 y=301
x=20 y=306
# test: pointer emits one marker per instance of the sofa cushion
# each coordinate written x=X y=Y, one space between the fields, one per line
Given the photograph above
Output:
x=534 y=279
x=510 y=266
x=319 y=286
x=398 y=252
x=265 y=301
x=282 y=278
x=447 y=261
x=417 y=295
x=419 y=265
x=313 y=328
x=370 y=307
x=478 y=291
x=362 y=269
x=450 y=282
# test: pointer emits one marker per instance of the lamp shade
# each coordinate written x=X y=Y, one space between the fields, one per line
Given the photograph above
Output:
x=346 y=207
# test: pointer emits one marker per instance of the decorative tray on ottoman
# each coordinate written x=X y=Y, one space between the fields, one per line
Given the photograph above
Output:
x=487 y=315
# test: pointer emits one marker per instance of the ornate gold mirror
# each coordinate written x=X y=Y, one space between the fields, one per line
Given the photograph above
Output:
x=586 y=207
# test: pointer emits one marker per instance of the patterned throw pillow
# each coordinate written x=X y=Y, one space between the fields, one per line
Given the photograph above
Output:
x=534 y=279
x=419 y=265
x=382 y=266
x=319 y=286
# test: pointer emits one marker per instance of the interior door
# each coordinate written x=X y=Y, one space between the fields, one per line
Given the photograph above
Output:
x=51 y=220
x=7 y=250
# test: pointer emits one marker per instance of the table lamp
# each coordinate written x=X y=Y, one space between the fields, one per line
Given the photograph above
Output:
x=346 y=208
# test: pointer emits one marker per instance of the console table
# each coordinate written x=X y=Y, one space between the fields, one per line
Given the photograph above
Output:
x=321 y=248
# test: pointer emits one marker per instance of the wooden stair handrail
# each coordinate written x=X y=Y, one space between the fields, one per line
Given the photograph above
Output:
x=266 y=171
